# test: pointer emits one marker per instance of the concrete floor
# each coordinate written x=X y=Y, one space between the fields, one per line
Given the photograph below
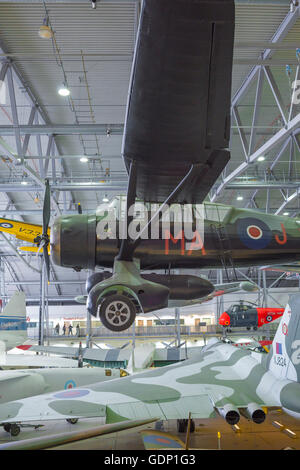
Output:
x=251 y=436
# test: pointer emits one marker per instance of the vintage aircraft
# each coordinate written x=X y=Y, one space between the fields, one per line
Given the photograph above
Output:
x=248 y=315
x=175 y=146
x=19 y=384
x=13 y=333
x=13 y=327
x=220 y=379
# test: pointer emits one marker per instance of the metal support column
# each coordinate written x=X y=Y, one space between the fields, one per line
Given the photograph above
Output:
x=177 y=327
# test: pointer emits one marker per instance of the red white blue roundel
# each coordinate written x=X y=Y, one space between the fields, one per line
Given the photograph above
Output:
x=69 y=384
x=6 y=225
x=76 y=393
x=254 y=233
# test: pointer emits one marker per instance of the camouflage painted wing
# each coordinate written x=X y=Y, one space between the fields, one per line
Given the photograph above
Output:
x=219 y=374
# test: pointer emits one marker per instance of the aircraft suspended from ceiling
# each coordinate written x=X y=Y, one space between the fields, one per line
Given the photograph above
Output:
x=175 y=146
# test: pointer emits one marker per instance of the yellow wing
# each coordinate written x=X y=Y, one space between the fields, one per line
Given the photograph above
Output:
x=21 y=230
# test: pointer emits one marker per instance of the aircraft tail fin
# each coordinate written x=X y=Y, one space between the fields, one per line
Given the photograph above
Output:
x=16 y=307
x=284 y=357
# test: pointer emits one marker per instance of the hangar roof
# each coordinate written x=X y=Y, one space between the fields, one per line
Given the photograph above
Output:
x=91 y=52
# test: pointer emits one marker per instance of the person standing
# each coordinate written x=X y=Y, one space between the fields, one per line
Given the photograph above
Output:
x=77 y=330
x=70 y=330
x=56 y=329
x=64 y=329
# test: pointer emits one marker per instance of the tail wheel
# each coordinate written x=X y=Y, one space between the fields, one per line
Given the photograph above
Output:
x=269 y=318
x=7 y=427
x=117 y=312
x=72 y=420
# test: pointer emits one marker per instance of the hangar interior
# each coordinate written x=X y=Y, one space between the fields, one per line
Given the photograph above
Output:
x=65 y=69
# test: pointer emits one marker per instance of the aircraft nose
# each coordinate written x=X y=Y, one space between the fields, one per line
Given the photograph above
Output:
x=224 y=319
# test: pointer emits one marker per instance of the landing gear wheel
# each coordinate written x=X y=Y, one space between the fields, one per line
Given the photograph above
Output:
x=15 y=429
x=72 y=420
x=255 y=328
x=192 y=428
x=7 y=427
x=117 y=312
x=248 y=328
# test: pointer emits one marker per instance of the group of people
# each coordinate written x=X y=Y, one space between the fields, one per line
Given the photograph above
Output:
x=65 y=328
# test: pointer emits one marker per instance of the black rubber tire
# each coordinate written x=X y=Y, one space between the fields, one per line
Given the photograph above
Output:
x=15 y=429
x=72 y=420
x=131 y=312
x=7 y=427
x=182 y=425
x=248 y=328
x=255 y=328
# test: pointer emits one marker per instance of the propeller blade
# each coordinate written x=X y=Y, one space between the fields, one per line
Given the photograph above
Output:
x=47 y=260
x=46 y=208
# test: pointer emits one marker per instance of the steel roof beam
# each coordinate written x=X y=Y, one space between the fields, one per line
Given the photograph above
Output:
x=63 y=129
x=264 y=149
x=263 y=185
x=280 y=34
x=13 y=187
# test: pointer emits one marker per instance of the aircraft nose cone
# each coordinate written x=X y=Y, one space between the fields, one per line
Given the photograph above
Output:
x=224 y=319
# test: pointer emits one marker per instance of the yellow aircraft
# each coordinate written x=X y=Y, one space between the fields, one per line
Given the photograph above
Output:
x=23 y=231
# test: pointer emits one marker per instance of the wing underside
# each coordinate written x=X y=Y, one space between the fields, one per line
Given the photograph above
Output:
x=178 y=111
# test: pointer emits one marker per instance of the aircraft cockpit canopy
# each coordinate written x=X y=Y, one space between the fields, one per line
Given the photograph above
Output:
x=239 y=308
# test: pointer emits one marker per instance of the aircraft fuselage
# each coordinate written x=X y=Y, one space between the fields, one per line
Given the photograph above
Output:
x=248 y=237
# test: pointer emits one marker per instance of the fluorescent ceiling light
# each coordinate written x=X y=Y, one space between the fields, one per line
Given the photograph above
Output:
x=84 y=159
x=239 y=198
x=45 y=32
x=261 y=158
x=24 y=182
x=63 y=91
x=105 y=199
x=286 y=213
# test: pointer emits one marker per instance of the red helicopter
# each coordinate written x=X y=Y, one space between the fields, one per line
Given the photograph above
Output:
x=248 y=315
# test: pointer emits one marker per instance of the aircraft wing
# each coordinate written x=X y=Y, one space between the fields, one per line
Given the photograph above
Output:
x=23 y=360
x=96 y=354
x=21 y=230
x=220 y=373
x=157 y=440
x=178 y=110
x=289 y=268
x=55 y=440
x=13 y=376
x=222 y=289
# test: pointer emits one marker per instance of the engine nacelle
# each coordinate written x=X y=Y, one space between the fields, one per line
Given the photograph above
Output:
x=73 y=241
x=230 y=413
x=255 y=413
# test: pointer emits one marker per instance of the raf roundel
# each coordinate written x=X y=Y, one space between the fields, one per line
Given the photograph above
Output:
x=69 y=384
x=254 y=233
x=76 y=393
x=6 y=225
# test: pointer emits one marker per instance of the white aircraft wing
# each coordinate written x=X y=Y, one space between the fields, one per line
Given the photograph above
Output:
x=23 y=360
